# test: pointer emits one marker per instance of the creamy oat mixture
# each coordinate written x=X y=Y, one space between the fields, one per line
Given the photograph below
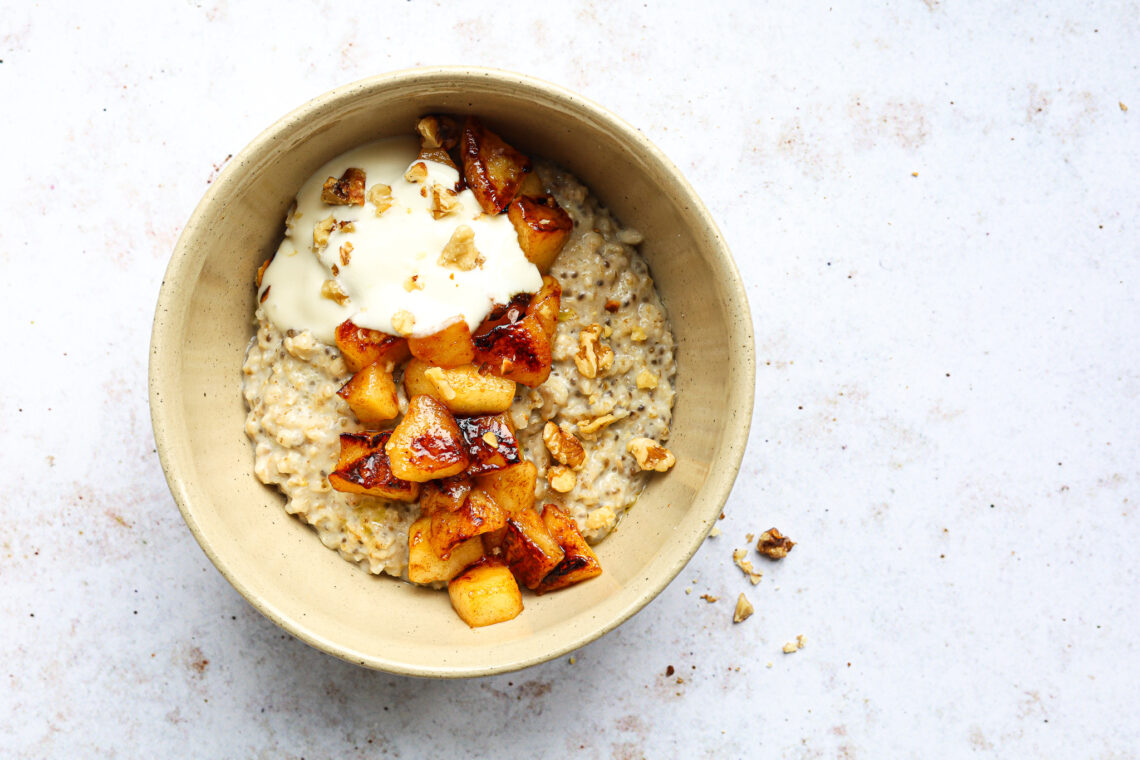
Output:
x=295 y=416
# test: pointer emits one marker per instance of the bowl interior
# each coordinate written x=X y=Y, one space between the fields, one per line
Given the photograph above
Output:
x=203 y=324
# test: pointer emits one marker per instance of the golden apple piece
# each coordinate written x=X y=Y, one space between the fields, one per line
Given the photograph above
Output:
x=532 y=186
x=511 y=487
x=493 y=170
x=545 y=305
x=425 y=566
x=485 y=593
x=466 y=390
x=580 y=562
x=415 y=379
x=445 y=494
x=363 y=467
x=518 y=351
x=529 y=548
x=346 y=191
x=427 y=444
x=361 y=346
x=491 y=443
x=448 y=347
x=478 y=515
x=542 y=228
x=492 y=540
x=371 y=394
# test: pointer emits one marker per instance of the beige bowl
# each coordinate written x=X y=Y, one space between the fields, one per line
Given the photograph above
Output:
x=203 y=324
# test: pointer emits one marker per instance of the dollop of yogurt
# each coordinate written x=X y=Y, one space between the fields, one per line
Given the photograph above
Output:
x=377 y=269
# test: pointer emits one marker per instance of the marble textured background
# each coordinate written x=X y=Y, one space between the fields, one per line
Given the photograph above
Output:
x=935 y=206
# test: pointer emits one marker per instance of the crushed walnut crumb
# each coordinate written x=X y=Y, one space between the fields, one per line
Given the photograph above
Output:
x=346 y=191
x=589 y=428
x=795 y=646
x=714 y=532
x=646 y=380
x=417 y=172
x=562 y=479
x=380 y=196
x=346 y=254
x=413 y=283
x=638 y=334
x=563 y=445
x=709 y=598
x=332 y=290
x=738 y=556
x=650 y=455
x=460 y=252
x=321 y=232
x=593 y=357
x=773 y=544
x=403 y=322
x=743 y=610
x=444 y=201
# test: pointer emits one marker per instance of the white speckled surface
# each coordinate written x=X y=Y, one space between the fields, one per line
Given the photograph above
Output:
x=947 y=403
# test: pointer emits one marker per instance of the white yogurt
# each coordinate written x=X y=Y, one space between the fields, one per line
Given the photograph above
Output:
x=388 y=250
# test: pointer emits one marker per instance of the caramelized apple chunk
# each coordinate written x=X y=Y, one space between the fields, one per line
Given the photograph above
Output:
x=485 y=593
x=478 y=515
x=427 y=444
x=529 y=548
x=493 y=169
x=491 y=444
x=545 y=305
x=511 y=487
x=466 y=390
x=518 y=351
x=361 y=346
x=425 y=566
x=363 y=467
x=449 y=346
x=542 y=228
x=371 y=394
x=445 y=494
x=580 y=562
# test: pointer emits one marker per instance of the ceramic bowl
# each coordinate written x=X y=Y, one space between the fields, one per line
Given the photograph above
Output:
x=203 y=324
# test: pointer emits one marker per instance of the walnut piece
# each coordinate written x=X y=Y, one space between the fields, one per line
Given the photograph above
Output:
x=332 y=290
x=491 y=439
x=709 y=598
x=460 y=252
x=743 y=610
x=562 y=479
x=738 y=556
x=345 y=254
x=638 y=334
x=773 y=544
x=403 y=322
x=593 y=356
x=380 y=196
x=563 y=445
x=413 y=283
x=646 y=380
x=321 y=232
x=592 y=426
x=417 y=172
x=797 y=645
x=346 y=191
x=651 y=455
x=444 y=201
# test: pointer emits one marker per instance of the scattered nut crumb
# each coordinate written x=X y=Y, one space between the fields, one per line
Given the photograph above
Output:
x=444 y=201
x=321 y=232
x=403 y=322
x=714 y=532
x=563 y=445
x=651 y=455
x=588 y=428
x=413 y=283
x=346 y=191
x=491 y=439
x=562 y=479
x=460 y=252
x=593 y=356
x=646 y=380
x=769 y=664
x=332 y=290
x=795 y=646
x=347 y=226
x=638 y=334
x=774 y=545
x=708 y=598
x=573 y=659
x=380 y=196
x=743 y=611
x=417 y=172
x=688 y=589
x=738 y=556
x=669 y=671
x=1123 y=107
x=346 y=254
x=749 y=536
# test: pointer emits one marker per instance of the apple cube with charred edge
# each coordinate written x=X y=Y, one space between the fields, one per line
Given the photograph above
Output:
x=580 y=562
x=485 y=593
x=448 y=347
x=493 y=170
x=512 y=487
x=542 y=228
x=427 y=444
x=529 y=548
x=493 y=540
x=371 y=394
x=518 y=351
x=545 y=305
x=425 y=566
x=466 y=390
x=415 y=379
x=444 y=495
x=346 y=191
x=478 y=515
x=361 y=346
x=491 y=444
x=363 y=467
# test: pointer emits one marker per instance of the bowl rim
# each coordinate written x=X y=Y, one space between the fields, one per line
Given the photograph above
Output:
x=164 y=358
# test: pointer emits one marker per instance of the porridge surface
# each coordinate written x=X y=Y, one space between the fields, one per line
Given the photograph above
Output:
x=295 y=417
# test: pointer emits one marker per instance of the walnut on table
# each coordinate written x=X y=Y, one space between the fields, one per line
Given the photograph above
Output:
x=773 y=544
